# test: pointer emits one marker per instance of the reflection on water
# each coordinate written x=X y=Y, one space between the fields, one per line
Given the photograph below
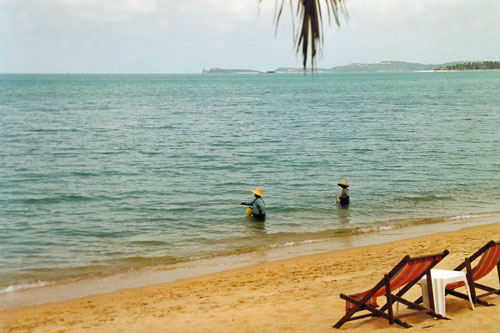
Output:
x=343 y=214
x=256 y=227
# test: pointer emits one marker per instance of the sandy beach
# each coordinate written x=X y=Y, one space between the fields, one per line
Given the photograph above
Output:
x=296 y=295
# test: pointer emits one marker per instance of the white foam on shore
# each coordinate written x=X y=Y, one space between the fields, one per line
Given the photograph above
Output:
x=292 y=243
x=379 y=228
x=468 y=217
x=16 y=287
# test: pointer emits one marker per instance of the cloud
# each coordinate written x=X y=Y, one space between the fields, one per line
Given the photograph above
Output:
x=241 y=10
x=185 y=35
x=108 y=10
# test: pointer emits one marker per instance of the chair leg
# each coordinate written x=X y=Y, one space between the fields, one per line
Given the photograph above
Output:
x=344 y=319
x=349 y=314
x=457 y=294
x=417 y=307
x=374 y=312
x=489 y=291
x=468 y=293
x=389 y=299
x=498 y=271
x=430 y=292
x=465 y=297
x=470 y=281
x=402 y=323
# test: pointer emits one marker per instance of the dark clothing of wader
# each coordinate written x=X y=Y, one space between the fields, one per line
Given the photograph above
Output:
x=258 y=209
x=344 y=201
x=344 y=197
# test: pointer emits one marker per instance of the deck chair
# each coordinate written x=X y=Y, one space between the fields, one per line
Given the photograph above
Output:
x=490 y=258
x=393 y=286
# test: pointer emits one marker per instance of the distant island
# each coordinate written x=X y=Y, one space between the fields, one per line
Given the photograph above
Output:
x=384 y=66
x=229 y=71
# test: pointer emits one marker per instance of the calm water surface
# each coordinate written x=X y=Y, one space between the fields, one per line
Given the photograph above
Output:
x=106 y=173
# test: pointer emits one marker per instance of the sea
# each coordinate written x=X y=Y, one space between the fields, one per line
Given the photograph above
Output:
x=108 y=174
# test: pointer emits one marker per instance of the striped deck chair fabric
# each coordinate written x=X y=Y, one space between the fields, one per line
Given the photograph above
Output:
x=413 y=269
x=402 y=277
x=489 y=259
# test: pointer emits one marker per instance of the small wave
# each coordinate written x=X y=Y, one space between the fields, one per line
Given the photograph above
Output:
x=150 y=153
x=114 y=152
x=462 y=217
x=84 y=174
x=16 y=287
x=149 y=243
x=135 y=262
x=377 y=228
x=292 y=243
x=280 y=245
x=54 y=130
x=468 y=217
x=425 y=198
x=65 y=198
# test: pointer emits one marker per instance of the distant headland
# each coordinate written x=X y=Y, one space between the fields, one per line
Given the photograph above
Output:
x=384 y=66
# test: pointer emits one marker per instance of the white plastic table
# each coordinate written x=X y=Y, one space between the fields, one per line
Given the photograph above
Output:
x=440 y=278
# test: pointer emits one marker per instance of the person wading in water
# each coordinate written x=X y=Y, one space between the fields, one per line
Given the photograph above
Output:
x=258 y=206
x=343 y=197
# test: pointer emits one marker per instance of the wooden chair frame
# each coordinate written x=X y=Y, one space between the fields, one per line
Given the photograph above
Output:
x=471 y=278
x=386 y=311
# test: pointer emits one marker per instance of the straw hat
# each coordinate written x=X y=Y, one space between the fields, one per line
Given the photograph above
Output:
x=344 y=183
x=258 y=191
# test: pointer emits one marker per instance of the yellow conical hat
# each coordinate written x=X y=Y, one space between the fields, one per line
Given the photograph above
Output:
x=258 y=191
x=343 y=182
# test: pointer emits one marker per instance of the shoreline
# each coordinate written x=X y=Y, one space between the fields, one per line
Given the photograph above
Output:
x=68 y=290
x=294 y=294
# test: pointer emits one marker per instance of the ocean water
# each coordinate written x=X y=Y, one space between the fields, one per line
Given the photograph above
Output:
x=110 y=173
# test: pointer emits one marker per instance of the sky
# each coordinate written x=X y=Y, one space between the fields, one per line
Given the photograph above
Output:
x=185 y=36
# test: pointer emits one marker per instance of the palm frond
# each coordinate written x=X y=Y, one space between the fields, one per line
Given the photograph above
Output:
x=308 y=39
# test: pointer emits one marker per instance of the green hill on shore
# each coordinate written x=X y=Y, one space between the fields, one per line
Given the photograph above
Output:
x=381 y=67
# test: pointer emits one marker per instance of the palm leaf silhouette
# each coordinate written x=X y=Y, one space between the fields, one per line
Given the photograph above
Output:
x=308 y=39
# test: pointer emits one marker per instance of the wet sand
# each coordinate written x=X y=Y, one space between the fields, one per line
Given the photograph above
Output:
x=295 y=294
